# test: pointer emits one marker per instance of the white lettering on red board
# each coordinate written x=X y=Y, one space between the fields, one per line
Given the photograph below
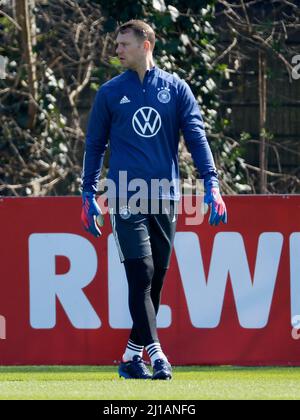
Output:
x=205 y=295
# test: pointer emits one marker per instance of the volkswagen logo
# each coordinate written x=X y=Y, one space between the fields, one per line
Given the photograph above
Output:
x=146 y=122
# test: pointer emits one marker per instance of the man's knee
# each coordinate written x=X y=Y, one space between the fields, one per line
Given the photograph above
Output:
x=140 y=270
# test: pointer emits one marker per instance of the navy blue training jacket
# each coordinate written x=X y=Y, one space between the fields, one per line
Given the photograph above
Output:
x=142 y=123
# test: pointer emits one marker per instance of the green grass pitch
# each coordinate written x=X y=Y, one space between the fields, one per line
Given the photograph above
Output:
x=103 y=383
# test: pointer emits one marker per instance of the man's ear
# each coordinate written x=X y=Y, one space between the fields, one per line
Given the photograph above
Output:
x=147 y=46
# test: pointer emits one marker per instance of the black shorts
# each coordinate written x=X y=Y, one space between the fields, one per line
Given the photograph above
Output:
x=142 y=233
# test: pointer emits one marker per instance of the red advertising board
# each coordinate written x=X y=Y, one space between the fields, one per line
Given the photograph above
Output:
x=232 y=294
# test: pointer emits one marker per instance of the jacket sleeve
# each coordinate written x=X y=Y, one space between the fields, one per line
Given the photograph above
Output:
x=96 y=142
x=192 y=126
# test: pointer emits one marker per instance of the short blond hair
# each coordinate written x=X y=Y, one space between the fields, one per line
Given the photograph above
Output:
x=141 y=30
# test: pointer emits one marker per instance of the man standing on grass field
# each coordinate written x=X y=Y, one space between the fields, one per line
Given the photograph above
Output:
x=142 y=112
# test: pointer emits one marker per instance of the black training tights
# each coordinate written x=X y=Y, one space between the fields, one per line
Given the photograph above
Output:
x=145 y=282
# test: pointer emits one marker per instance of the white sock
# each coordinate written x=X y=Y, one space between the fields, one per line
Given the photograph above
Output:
x=131 y=351
x=155 y=352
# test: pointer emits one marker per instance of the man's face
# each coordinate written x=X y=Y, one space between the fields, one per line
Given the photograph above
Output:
x=130 y=50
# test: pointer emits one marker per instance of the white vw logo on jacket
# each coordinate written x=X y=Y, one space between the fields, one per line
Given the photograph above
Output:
x=146 y=122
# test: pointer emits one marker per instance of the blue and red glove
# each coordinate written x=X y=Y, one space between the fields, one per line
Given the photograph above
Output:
x=218 y=211
x=91 y=215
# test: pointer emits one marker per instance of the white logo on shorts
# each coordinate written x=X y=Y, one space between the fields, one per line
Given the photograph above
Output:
x=125 y=213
